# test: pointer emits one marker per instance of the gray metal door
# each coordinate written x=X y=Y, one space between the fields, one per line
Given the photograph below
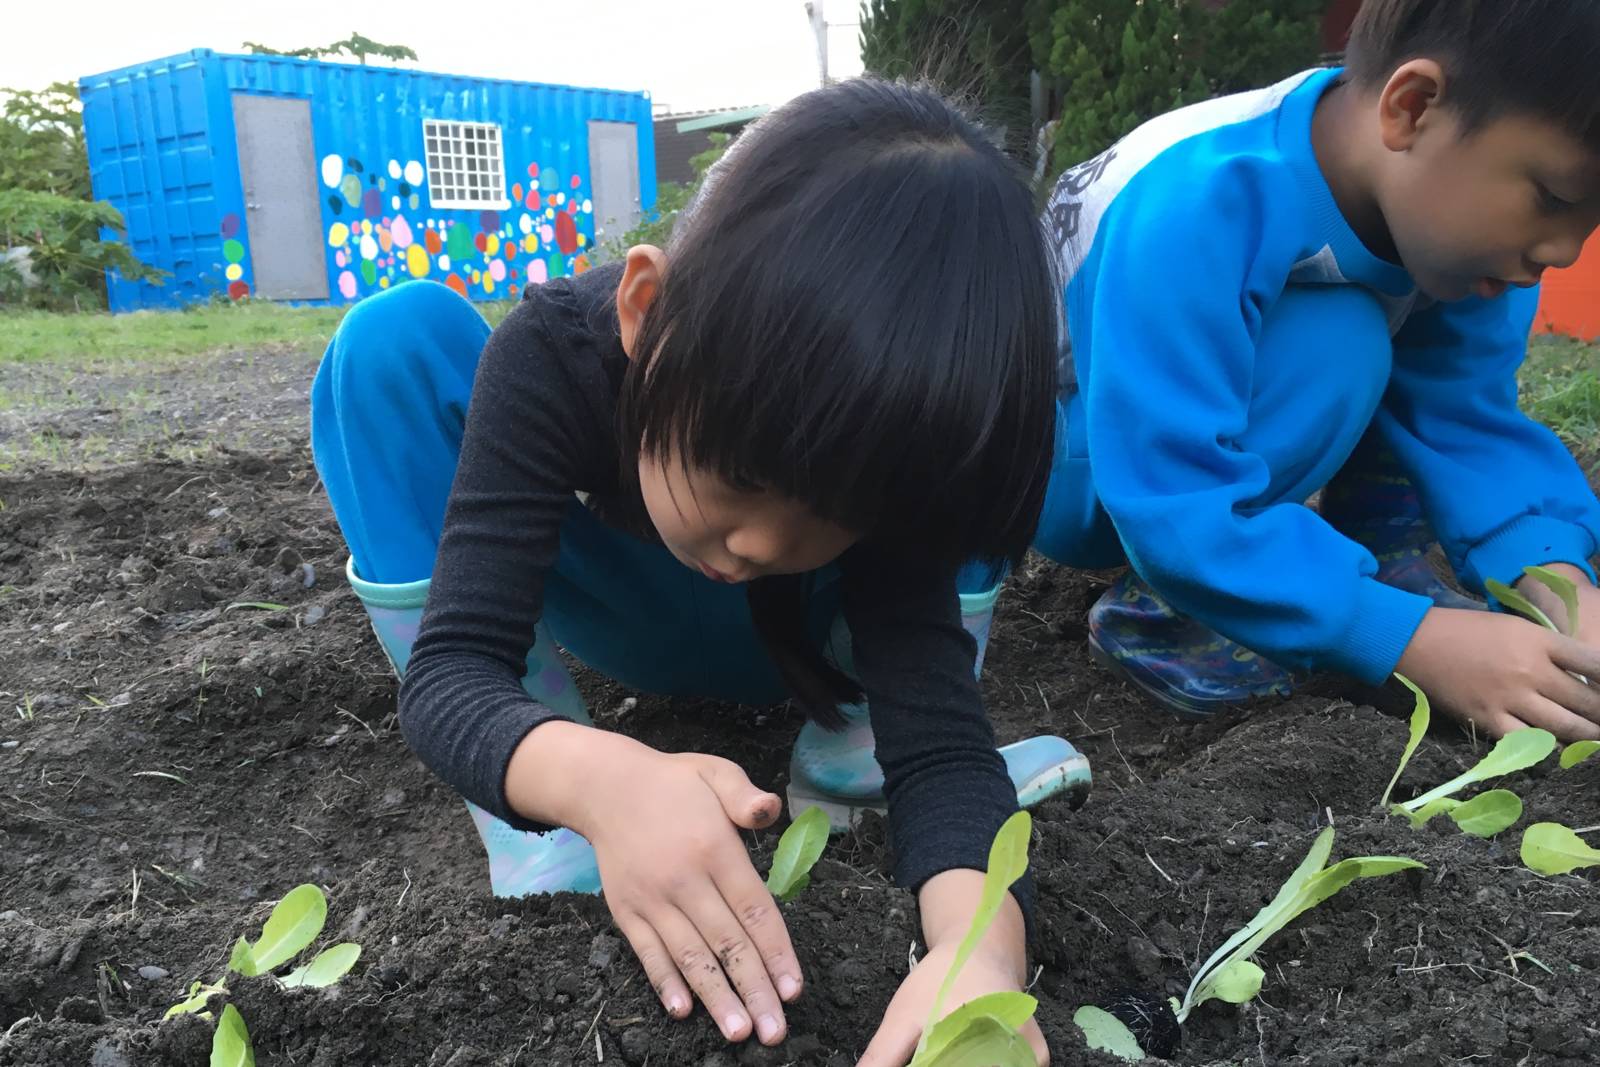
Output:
x=278 y=168
x=614 y=170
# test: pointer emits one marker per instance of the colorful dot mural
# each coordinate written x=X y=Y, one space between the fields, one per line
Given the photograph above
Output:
x=375 y=240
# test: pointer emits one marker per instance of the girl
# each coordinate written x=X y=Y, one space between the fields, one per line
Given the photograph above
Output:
x=745 y=467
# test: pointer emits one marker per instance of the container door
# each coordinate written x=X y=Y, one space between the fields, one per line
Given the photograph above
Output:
x=278 y=168
x=614 y=172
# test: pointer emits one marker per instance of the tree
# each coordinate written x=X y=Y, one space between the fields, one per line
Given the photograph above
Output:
x=52 y=250
x=355 y=46
x=1116 y=65
x=974 y=50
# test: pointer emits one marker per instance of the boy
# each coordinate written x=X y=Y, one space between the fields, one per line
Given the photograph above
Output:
x=1339 y=271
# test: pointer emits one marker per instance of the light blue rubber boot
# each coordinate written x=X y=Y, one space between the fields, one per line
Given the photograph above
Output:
x=836 y=770
x=520 y=862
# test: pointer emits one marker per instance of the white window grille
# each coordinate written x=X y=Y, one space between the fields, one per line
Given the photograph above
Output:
x=465 y=165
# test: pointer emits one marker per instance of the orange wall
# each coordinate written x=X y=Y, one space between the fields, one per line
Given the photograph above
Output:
x=1571 y=299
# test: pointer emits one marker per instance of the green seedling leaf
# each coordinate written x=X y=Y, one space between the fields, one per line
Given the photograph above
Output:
x=293 y=924
x=1008 y=859
x=1577 y=752
x=1236 y=981
x=255 y=605
x=1315 y=860
x=1550 y=848
x=1518 y=603
x=241 y=961
x=1424 y=814
x=329 y=965
x=985 y=1042
x=1420 y=715
x=198 y=995
x=1308 y=886
x=1011 y=1010
x=1516 y=751
x=230 y=1045
x=1488 y=813
x=1563 y=587
x=798 y=851
x=1105 y=1032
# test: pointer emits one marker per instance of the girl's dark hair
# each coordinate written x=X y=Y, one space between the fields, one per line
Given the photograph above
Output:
x=1504 y=57
x=857 y=314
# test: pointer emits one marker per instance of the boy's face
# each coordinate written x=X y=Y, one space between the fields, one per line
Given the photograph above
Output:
x=1476 y=213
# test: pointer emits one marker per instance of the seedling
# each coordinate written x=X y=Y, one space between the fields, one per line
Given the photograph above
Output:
x=1559 y=584
x=984 y=1031
x=1488 y=813
x=295 y=922
x=798 y=851
x=1229 y=975
x=1577 y=752
x=1550 y=848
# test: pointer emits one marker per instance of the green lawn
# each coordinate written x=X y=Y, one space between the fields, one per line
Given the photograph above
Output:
x=1561 y=381
x=145 y=336
x=1561 y=388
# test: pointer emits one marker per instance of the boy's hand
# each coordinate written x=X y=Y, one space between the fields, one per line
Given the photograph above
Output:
x=1502 y=673
x=1547 y=602
x=676 y=876
x=948 y=902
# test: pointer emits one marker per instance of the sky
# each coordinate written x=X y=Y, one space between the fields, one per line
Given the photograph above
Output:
x=689 y=54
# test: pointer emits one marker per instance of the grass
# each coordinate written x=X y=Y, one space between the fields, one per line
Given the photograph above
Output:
x=1561 y=388
x=160 y=336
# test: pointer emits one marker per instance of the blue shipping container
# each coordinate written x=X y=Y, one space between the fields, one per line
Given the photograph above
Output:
x=294 y=179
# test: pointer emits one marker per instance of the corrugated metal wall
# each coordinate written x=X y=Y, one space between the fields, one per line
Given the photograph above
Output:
x=163 y=148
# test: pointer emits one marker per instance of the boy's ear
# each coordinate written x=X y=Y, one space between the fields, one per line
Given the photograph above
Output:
x=1410 y=103
x=642 y=274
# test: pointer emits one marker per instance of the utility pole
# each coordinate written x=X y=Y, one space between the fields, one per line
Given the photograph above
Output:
x=819 y=27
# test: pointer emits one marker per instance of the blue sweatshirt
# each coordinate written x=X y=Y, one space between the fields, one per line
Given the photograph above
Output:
x=1176 y=244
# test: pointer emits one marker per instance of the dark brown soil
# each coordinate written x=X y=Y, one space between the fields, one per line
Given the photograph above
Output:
x=176 y=763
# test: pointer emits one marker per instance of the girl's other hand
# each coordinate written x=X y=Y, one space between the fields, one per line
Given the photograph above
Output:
x=676 y=876
x=999 y=965
x=1503 y=673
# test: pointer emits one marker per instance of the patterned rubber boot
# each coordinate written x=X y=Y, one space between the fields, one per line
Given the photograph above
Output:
x=1373 y=503
x=1183 y=665
x=836 y=770
x=520 y=862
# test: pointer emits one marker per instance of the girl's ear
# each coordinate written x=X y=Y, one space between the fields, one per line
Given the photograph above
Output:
x=641 y=279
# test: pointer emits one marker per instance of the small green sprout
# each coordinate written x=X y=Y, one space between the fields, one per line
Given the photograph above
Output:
x=1559 y=584
x=1550 y=848
x=984 y=1031
x=1488 y=813
x=1229 y=975
x=1577 y=752
x=798 y=851
x=295 y=922
x=231 y=1045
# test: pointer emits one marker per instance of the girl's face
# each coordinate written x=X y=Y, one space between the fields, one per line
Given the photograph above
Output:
x=734 y=535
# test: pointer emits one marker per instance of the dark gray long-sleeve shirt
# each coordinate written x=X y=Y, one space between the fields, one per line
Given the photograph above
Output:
x=541 y=426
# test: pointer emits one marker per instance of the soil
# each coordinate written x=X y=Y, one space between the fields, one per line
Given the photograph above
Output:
x=178 y=761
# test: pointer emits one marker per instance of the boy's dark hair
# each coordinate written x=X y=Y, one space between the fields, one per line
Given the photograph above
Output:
x=857 y=314
x=1504 y=57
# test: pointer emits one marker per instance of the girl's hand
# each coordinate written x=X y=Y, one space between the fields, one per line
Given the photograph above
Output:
x=676 y=876
x=1503 y=673
x=999 y=965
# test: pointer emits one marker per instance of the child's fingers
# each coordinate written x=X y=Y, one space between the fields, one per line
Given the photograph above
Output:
x=1546 y=714
x=1575 y=696
x=701 y=969
x=743 y=803
x=741 y=961
x=658 y=965
x=757 y=913
x=1576 y=657
x=895 y=1041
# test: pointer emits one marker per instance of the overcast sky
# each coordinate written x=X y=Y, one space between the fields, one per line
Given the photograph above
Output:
x=689 y=54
